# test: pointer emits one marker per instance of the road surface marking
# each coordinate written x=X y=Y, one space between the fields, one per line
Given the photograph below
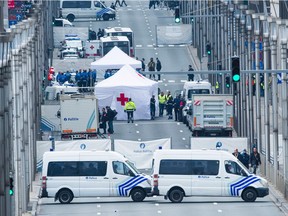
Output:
x=138 y=45
x=150 y=45
x=183 y=138
x=183 y=81
x=219 y=210
x=156 y=204
x=136 y=124
x=159 y=211
x=98 y=206
x=178 y=123
x=181 y=131
x=186 y=146
x=171 y=45
x=139 y=139
x=215 y=203
x=137 y=131
x=171 y=81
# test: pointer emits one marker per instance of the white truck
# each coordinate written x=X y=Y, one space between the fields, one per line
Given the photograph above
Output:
x=79 y=116
x=60 y=33
x=211 y=115
x=191 y=88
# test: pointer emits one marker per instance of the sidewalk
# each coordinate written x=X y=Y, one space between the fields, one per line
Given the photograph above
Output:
x=36 y=185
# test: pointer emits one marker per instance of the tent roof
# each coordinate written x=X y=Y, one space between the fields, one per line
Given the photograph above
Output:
x=115 y=59
x=128 y=77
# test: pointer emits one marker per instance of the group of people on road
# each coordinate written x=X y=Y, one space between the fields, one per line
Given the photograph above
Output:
x=107 y=115
x=81 y=78
x=249 y=161
x=161 y=3
x=152 y=66
x=113 y=6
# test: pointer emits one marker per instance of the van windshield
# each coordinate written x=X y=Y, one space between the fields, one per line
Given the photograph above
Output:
x=197 y=91
x=131 y=165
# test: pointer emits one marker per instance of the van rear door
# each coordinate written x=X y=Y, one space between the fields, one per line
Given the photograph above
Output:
x=94 y=177
x=206 y=178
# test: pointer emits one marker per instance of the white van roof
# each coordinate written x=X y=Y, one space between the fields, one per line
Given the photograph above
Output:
x=197 y=84
x=188 y=153
x=64 y=155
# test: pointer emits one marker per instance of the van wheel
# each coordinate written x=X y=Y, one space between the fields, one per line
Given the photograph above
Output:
x=106 y=17
x=249 y=195
x=71 y=17
x=138 y=195
x=65 y=196
x=176 y=195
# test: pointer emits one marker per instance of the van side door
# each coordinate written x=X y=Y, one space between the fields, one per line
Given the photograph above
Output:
x=94 y=178
x=206 y=178
x=234 y=179
x=122 y=179
x=86 y=8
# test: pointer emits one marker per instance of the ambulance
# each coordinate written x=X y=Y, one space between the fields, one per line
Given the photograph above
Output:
x=75 y=174
x=183 y=173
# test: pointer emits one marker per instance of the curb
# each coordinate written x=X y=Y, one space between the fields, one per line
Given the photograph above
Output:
x=278 y=198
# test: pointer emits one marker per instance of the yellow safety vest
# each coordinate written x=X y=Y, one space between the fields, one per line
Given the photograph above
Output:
x=162 y=99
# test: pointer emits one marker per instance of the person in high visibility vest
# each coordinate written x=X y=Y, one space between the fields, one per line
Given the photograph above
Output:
x=217 y=87
x=130 y=107
x=162 y=102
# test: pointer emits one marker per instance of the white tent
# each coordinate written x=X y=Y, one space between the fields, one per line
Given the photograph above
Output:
x=127 y=83
x=115 y=59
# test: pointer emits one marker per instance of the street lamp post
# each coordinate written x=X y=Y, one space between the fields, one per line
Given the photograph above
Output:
x=250 y=93
x=257 y=81
x=283 y=42
x=273 y=37
x=265 y=26
x=243 y=78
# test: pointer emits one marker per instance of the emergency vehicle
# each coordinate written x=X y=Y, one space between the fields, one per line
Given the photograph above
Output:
x=108 y=43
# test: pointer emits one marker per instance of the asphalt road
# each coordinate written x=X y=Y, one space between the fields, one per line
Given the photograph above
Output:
x=142 y=20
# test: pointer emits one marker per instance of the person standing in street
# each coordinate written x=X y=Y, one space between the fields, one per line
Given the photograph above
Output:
x=158 y=68
x=117 y=2
x=245 y=158
x=104 y=120
x=130 y=107
x=151 y=67
x=152 y=107
x=169 y=107
x=162 y=102
x=176 y=105
x=255 y=160
x=237 y=154
x=110 y=118
x=190 y=75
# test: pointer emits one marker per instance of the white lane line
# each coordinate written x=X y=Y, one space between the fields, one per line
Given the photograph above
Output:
x=137 y=131
x=156 y=204
x=186 y=146
x=171 y=81
x=160 y=45
x=136 y=125
x=139 y=139
x=181 y=131
x=156 y=53
x=183 y=138
x=98 y=206
x=150 y=31
x=215 y=203
x=171 y=45
x=182 y=45
x=149 y=45
x=165 y=85
x=219 y=210
x=98 y=213
x=183 y=81
x=160 y=81
x=139 y=45
x=159 y=211
x=164 y=79
x=151 y=35
x=178 y=123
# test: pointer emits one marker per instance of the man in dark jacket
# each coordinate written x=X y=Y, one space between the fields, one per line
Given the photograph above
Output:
x=158 y=68
x=245 y=158
x=104 y=120
x=110 y=118
x=176 y=105
x=255 y=159
x=152 y=107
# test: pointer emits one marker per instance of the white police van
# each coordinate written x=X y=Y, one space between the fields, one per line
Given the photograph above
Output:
x=183 y=173
x=72 y=10
x=68 y=175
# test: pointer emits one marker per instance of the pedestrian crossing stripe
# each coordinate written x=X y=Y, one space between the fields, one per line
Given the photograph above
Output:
x=130 y=184
x=242 y=184
x=160 y=46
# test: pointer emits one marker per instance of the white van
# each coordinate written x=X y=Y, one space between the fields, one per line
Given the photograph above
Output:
x=68 y=175
x=193 y=88
x=72 y=10
x=183 y=173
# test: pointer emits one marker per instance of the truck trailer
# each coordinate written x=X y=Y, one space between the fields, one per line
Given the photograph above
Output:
x=211 y=115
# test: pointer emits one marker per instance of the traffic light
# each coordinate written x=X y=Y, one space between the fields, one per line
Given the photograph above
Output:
x=11 y=190
x=208 y=49
x=177 y=15
x=227 y=81
x=235 y=69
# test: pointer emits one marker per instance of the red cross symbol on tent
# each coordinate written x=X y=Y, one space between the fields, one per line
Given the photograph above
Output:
x=92 y=47
x=122 y=99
